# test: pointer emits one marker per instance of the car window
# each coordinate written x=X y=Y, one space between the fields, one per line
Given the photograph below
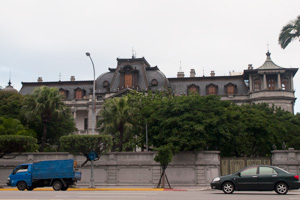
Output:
x=249 y=171
x=266 y=170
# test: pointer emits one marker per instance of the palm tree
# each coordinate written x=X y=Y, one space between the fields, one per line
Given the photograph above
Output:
x=116 y=119
x=46 y=103
x=289 y=32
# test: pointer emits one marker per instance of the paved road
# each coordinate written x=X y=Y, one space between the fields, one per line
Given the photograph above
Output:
x=147 y=195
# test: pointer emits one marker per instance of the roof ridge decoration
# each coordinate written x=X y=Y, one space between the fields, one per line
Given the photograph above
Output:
x=269 y=64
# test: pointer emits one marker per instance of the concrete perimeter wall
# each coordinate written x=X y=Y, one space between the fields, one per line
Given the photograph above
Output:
x=287 y=159
x=132 y=169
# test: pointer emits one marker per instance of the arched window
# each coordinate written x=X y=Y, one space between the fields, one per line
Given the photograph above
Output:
x=154 y=82
x=193 y=89
x=257 y=84
x=105 y=84
x=230 y=89
x=271 y=84
x=211 y=89
x=285 y=84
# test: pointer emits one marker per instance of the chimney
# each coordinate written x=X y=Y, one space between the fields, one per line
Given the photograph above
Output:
x=72 y=78
x=250 y=66
x=192 y=73
x=180 y=74
x=212 y=73
x=40 y=79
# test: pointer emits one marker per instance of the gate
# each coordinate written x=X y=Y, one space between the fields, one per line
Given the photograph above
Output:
x=233 y=164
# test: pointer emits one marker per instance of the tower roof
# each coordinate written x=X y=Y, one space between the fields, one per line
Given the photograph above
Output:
x=10 y=87
x=269 y=64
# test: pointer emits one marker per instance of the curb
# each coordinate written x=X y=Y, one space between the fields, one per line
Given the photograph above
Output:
x=99 y=189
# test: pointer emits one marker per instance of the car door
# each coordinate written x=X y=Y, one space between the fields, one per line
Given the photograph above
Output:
x=247 y=179
x=267 y=177
x=22 y=173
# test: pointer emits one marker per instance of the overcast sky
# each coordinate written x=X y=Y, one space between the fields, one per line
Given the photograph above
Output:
x=49 y=38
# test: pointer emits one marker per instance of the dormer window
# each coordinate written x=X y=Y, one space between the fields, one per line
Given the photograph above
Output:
x=154 y=82
x=193 y=89
x=128 y=78
x=230 y=89
x=79 y=93
x=211 y=89
x=64 y=93
x=105 y=84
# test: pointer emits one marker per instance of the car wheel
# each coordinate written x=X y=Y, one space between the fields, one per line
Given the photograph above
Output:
x=228 y=188
x=281 y=188
x=57 y=185
x=21 y=185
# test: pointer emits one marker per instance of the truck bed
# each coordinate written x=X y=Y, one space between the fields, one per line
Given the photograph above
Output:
x=53 y=169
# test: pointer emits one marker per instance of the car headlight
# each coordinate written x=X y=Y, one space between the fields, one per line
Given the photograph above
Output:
x=8 y=179
x=216 y=179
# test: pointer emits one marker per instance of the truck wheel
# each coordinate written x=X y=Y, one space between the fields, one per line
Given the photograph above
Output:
x=57 y=185
x=21 y=185
x=64 y=188
x=30 y=188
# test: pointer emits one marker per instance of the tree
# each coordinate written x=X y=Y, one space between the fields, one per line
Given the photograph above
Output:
x=45 y=106
x=164 y=157
x=289 y=32
x=84 y=144
x=116 y=120
x=10 y=126
x=10 y=104
x=16 y=144
x=141 y=106
x=188 y=122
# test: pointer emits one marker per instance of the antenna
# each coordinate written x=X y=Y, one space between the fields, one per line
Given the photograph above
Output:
x=203 y=71
x=268 y=45
x=133 y=56
x=59 y=76
x=9 y=82
x=180 y=68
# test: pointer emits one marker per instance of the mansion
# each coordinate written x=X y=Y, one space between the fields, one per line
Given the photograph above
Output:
x=268 y=83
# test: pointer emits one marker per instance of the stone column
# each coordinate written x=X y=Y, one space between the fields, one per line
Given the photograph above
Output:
x=265 y=82
x=292 y=82
x=250 y=83
x=74 y=115
x=279 y=81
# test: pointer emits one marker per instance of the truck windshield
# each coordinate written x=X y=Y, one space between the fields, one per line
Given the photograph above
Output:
x=22 y=168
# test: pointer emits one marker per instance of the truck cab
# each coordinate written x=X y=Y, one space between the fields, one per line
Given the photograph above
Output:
x=21 y=176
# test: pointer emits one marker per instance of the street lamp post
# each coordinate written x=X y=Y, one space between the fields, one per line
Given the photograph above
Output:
x=93 y=100
x=92 y=181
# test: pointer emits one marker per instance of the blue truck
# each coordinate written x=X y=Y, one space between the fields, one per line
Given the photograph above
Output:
x=60 y=174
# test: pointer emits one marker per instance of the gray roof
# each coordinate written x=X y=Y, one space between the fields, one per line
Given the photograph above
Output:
x=269 y=64
x=180 y=85
x=69 y=86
